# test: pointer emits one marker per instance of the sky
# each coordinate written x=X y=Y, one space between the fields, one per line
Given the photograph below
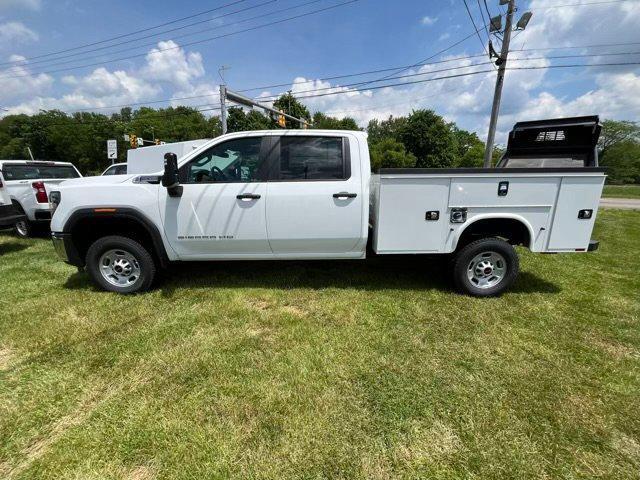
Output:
x=83 y=54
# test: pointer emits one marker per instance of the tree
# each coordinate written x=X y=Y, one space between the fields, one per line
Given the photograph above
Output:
x=623 y=162
x=614 y=132
x=379 y=130
x=322 y=121
x=389 y=153
x=429 y=138
x=469 y=149
x=290 y=105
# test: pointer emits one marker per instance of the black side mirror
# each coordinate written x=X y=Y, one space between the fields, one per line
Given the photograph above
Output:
x=170 y=179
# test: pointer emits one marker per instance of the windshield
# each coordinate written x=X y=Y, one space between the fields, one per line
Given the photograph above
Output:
x=35 y=172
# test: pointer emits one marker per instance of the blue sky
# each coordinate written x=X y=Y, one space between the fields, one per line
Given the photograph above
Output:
x=361 y=36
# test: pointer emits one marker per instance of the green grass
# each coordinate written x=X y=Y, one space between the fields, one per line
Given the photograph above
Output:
x=621 y=191
x=323 y=370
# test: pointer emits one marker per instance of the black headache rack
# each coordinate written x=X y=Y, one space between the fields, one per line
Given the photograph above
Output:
x=560 y=142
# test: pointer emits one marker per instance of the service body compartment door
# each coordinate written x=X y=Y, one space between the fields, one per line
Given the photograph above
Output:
x=412 y=215
x=579 y=197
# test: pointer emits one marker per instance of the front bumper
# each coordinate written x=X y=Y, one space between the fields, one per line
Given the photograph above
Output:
x=65 y=249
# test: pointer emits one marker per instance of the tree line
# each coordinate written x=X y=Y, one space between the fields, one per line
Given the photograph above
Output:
x=421 y=139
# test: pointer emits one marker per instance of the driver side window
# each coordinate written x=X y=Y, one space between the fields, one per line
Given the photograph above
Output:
x=233 y=161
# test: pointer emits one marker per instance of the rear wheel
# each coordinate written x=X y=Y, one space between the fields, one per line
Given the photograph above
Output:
x=23 y=228
x=486 y=267
x=120 y=264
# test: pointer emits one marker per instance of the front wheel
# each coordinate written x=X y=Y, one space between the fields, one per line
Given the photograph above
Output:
x=120 y=264
x=485 y=268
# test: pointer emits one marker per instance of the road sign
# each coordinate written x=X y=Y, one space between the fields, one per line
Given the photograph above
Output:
x=112 y=150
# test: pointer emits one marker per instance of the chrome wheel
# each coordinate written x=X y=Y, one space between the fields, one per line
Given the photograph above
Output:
x=486 y=270
x=22 y=229
x=119 y=267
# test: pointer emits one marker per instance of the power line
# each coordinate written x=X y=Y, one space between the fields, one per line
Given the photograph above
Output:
x=174 y=37
x=475 y=27
x=155 y=52
x=335 y=77
x=137 y=31
x=484 y=22
x=444 y=77
x=346 y=85
x=264 y=87
x=126 y=42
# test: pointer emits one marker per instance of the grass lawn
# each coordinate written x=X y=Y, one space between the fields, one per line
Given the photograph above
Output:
x=323 y=370
x=621 y=191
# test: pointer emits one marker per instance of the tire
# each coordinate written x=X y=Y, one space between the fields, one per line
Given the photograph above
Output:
x=485 y=268
x=23 y=229
x=121 y=265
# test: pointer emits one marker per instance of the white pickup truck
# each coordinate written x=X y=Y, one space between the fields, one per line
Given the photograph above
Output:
x=9 y=216
x=28 y=184
x=309 y=194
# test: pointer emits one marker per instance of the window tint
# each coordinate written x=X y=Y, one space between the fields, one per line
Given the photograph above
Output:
x=35 y=172
x=116 y=170
x=233 y=161
x=311 y=158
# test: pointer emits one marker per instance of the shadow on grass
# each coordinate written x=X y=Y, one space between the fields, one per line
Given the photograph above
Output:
x=6 y=248
x=377 y=273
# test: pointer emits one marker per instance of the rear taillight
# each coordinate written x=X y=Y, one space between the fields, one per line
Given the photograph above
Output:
x=41 y=192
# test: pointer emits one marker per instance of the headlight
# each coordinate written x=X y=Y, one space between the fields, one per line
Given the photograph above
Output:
x=54 y=200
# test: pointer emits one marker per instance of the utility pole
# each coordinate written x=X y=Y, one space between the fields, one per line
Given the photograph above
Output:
x=223 y=108
x=502 y=66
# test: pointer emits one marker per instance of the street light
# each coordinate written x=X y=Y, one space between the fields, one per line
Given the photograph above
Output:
x=524 y=21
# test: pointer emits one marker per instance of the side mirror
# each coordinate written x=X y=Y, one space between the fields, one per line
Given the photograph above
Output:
x=170 y=179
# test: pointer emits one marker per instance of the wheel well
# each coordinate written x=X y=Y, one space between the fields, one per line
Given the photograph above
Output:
x=510 y=229
x=89 y=229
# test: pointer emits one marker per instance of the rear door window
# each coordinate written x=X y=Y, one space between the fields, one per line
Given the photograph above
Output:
x=312 y=158
x=35 y=172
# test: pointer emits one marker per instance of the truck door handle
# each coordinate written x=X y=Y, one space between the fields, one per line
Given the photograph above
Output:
x=342 y=195
x=248 y=196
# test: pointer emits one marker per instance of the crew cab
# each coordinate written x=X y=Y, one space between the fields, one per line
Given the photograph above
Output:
x=310 y=194
x=9 y=216
x=28 y=184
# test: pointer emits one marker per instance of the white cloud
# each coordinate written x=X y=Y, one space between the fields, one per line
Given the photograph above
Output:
x=428 y=21
x=103 y=87
x=17 y=83
x=171 y=64
x=16 y=32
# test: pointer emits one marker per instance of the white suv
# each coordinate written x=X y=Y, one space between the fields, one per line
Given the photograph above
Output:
x=28 y=184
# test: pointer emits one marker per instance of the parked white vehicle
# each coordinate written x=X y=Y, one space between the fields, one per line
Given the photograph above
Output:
x=116 y=169
x=309 y=194
x=28 y=184
x=9 y=216
x=150 y=159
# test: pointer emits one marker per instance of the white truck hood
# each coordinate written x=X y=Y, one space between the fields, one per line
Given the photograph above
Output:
x=105 y=180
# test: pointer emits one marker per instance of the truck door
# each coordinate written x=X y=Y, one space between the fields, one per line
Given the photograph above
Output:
x=221 y=213
x=315 y=197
